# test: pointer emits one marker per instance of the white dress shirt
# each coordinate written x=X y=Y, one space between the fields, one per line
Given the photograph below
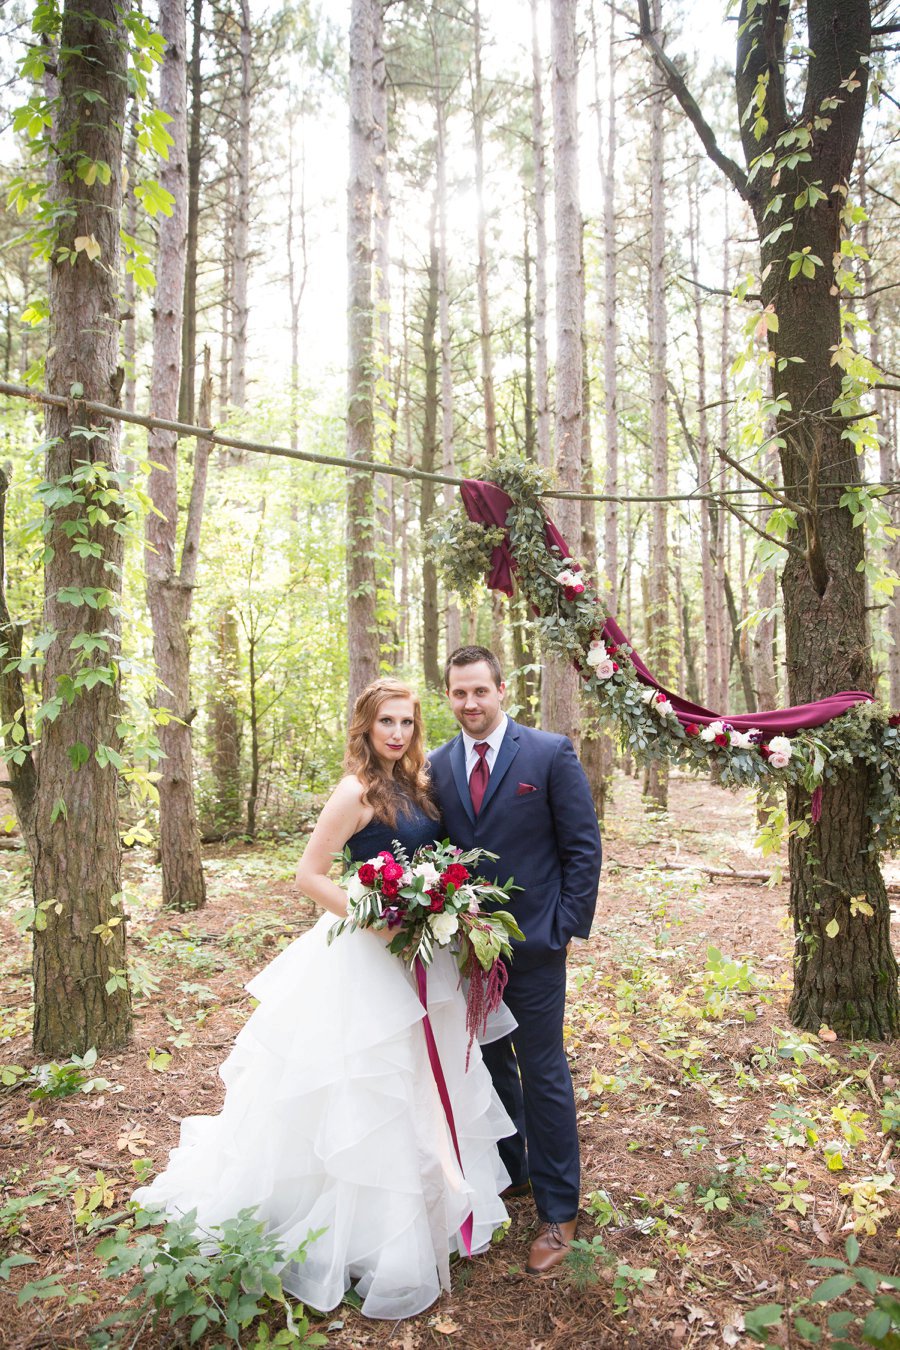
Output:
x=493 y=742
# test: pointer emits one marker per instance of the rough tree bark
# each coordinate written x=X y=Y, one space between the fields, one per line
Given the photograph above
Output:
x=240 y=277
x=430 y=626
x=656 y=782
x=848 y=981
x=168 y=598
x=75 y=825
x=186 y=397
x=362 y=636
x=560 y=709
x=607 y=167
x=538 y=152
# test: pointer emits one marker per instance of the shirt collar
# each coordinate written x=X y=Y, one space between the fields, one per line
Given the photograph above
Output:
x=494 y=740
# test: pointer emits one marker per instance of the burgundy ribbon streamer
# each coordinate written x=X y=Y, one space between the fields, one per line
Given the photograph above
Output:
x=441 y=1083
x=488 y=504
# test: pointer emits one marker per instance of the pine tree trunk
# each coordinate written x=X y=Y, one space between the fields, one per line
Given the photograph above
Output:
x=77 y=853
x=484 y=320
x=538 y=151
x=186 y=397
x=362 y=635
x=560 y=709
x=430 y=627
x=848 y=981
x=447 y=426
x=659 y=621
x=168 y=599
x=607 y=167
x=241 y=243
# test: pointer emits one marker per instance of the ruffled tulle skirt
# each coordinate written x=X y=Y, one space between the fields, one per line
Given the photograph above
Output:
x=332 y=1120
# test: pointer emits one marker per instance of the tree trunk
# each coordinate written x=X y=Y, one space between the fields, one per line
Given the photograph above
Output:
x=168 y=598
x=362 y=635
x=560 y=702
x=430 y=628
x=484 y=334
x=297 y=267
x=447 y=428
x=186 y=399
x=241 y=242
x=79 y=957
x=538 y=151
x=660 y=645
x=607 y=167
x=848 y=981
x=225 y=721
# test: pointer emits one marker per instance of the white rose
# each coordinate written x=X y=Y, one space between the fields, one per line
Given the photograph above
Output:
x=604 y=669
x=427 y=871
x=741 y=740
x=780 y=746
x=377 y=863
x=649 y=695
x=712 y=731
x=664 y=708
x=355 y=889
x=443 y=926
x=596 y=653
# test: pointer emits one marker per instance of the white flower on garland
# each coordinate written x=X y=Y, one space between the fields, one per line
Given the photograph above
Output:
x=780 y=751
x=444 y=926
x=599 y=659
x=744 y=740
x=649 y=695
x=710 y=733
x=567 y=578
x=605 y=668
x=663 y=708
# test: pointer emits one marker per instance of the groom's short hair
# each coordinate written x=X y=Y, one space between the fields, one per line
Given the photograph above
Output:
x=467 y=656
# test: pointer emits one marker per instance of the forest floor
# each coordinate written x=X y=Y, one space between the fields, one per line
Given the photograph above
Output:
x=722 y=1150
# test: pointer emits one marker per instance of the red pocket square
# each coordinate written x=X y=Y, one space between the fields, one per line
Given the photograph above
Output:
x=524 y=788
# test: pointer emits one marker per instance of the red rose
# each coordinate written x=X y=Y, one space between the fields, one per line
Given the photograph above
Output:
x=437 y=904
x=722 y=738
x=765 y=751
x=692 y=729
x=569 y=592
x=615 y=666
x=390 y=888
x=392 y=871
x=367 y=874
x=455 y=875
x=612 y=651
x=660 y=697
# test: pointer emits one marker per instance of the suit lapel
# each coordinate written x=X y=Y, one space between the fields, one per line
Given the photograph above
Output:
x=458 y=765
x=509 y=748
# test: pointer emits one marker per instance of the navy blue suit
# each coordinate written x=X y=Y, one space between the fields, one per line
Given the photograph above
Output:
x=538 y=816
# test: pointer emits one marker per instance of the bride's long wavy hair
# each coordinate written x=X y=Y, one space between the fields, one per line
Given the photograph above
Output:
x=410 y=780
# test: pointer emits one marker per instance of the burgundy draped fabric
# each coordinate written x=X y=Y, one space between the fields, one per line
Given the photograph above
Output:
x=489 y=505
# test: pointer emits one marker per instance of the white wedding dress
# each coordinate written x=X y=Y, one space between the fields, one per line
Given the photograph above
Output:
x=332 y=1120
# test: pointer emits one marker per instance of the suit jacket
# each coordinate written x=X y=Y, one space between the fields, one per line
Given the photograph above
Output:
x=538 y=816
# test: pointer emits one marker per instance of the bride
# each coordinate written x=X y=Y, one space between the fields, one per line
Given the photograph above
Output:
x=332 y=1119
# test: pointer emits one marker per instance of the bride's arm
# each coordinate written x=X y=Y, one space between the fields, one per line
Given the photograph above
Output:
x=342 y=815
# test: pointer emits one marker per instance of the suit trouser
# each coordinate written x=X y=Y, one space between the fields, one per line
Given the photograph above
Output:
x=531 y=1075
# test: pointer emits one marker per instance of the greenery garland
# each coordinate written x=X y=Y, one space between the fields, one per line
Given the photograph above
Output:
x=570 y=619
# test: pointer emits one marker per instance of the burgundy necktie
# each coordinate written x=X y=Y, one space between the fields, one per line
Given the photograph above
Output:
x=478 y=779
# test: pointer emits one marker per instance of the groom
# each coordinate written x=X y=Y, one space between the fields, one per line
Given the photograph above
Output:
x=523 y=795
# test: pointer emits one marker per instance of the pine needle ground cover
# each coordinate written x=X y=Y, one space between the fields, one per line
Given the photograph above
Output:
x=723 y=1151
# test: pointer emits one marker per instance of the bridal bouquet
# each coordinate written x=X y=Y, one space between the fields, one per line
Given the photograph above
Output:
x=435 y=899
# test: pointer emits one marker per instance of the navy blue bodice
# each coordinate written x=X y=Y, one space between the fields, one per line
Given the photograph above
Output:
x=413 y=829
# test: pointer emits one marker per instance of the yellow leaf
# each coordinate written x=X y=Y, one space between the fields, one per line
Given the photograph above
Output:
x=445 y=1325
x=835 y=1162
x=860 y=905
x=832 y=928
x=87 y=243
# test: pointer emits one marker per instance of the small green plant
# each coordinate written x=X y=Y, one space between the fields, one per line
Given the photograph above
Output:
x=181 y=1283
x=582 y=1262
x=845 y=1329
x=64 y=1080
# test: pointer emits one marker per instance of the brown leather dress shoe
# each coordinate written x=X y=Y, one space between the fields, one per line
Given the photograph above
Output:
x=550 y=1247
